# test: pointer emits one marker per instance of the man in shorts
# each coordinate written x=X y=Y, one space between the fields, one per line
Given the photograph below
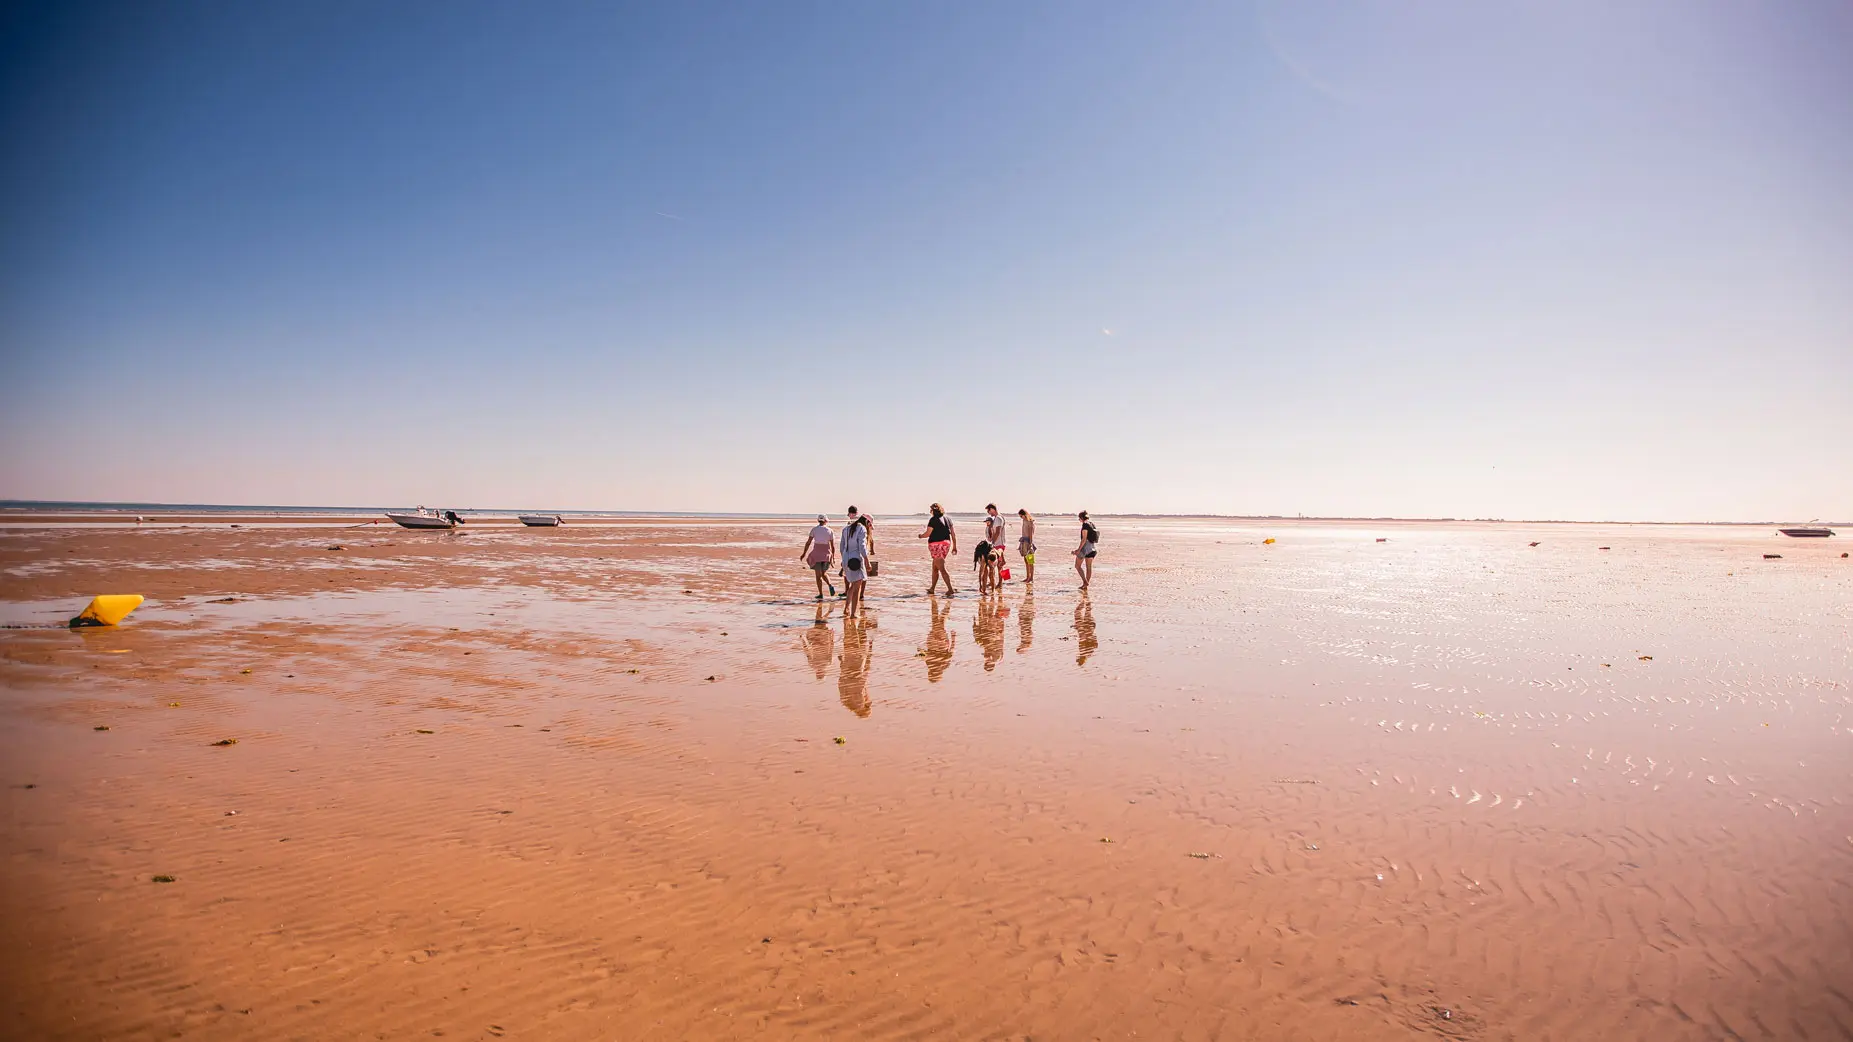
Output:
x=819 y=552
x=1026 y=545
x=991 y=551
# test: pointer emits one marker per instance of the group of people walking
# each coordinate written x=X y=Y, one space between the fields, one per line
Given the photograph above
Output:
x=856 y=547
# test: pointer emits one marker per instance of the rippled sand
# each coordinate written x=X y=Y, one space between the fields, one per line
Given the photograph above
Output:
x=583 y=784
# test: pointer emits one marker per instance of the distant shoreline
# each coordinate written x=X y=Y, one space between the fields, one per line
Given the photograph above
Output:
x=52 y=511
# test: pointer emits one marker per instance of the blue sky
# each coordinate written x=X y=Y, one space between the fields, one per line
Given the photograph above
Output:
x=1553 y=260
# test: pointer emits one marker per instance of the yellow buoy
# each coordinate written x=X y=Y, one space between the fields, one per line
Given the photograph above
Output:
x=108 y=609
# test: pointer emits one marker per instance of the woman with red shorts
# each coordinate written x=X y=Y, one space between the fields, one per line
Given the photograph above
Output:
x=941 y=542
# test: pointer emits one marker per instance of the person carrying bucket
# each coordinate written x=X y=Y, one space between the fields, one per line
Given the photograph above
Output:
x=1026 y=545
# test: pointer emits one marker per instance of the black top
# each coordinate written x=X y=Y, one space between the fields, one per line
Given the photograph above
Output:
x=1089 y=532
x=939 y=529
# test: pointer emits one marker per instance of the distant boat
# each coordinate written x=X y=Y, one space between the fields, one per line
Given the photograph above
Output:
x=540 y=520
x=422 y=518
x=1807 y=533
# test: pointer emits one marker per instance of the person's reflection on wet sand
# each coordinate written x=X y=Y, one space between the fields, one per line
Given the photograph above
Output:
x=938 y=652
x=1026 y=623
x=988 y=629
x=852 y=677
x=1084 y=630
x=819 y=642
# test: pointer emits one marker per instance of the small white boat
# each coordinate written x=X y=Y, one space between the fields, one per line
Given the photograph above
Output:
x=1806 y=533
x=540 y=520
x=422 y=518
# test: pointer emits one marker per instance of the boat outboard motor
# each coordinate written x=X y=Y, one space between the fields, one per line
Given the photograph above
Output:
x=451 y=516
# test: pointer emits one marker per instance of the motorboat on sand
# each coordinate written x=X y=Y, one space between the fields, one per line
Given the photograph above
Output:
x=423 y=518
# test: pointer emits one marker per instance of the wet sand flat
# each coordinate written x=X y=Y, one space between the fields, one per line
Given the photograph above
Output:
x=584 y=783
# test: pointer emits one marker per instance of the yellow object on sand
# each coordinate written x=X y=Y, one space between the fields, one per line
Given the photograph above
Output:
x=1266 y=542
x=108 y=609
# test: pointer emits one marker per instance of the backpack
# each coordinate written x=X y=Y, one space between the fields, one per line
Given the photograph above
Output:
x=1093 y=534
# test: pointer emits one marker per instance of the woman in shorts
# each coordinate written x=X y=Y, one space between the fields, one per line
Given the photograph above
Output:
x=942 y=541
x=818 y=553
x=1085 y=553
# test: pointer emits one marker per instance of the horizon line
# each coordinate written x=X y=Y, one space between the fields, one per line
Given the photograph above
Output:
x=101 y=506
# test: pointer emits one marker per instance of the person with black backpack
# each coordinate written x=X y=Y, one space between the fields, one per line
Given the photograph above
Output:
x=1084 y=554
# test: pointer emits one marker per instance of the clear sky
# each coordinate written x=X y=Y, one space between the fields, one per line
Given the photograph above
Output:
x=1540 y=260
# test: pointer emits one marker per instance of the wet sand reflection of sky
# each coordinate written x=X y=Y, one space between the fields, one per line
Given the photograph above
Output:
x=1493 y=667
